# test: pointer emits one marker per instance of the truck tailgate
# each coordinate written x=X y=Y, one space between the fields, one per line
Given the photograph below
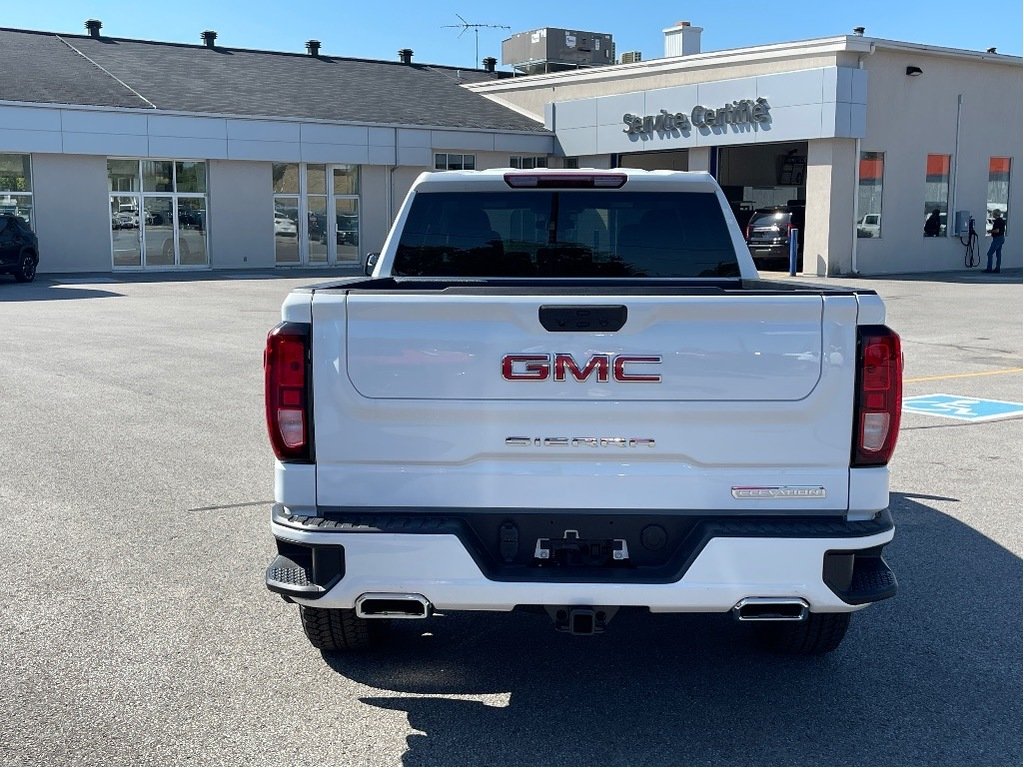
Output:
x=433 y=400
x=712 y=348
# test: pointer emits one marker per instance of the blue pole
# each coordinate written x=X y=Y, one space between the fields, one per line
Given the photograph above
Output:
x=793 y=235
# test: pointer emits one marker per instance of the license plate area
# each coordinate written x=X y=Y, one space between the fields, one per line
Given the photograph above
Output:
x=572 y=551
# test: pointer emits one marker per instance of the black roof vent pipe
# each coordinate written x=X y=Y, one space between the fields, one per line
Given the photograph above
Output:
x=490 y=63
x=405 y=55
x=313 y=47
x=210 y=38
x=94 y=25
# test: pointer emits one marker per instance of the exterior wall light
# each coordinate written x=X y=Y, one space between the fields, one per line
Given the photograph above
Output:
x=913 y=71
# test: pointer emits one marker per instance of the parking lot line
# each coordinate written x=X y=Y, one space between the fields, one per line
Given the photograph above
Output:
x=963 y=375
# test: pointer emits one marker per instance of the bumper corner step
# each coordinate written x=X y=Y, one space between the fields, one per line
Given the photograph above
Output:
x=287 y=577
x=873 y=580
x=859 y=578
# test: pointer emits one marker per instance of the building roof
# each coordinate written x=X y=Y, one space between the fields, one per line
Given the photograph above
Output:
x=39 y=68
x=49 y=68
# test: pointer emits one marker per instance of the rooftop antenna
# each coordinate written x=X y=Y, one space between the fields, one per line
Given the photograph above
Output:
x=465 y=26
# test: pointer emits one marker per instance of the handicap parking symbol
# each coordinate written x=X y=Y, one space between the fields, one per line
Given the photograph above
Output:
x=962 y=408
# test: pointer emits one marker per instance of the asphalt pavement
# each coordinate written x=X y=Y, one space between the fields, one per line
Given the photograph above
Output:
x=135 y=482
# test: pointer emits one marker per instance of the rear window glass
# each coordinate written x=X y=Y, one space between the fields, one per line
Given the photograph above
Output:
x=768 y=218
x=549 y=233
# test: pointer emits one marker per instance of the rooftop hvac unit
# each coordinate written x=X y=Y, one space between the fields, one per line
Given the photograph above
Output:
x=555 y=50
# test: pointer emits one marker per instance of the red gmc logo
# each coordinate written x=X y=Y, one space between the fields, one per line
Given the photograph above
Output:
x=562 y=366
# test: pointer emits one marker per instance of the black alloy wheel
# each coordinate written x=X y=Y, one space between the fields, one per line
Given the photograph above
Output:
x=26 y=271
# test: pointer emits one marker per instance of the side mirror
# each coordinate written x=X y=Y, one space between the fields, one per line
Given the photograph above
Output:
x=371 y=262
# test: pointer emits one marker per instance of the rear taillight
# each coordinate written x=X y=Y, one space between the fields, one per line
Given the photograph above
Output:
x=879 y=397
x=286 y=379
x=749 y=230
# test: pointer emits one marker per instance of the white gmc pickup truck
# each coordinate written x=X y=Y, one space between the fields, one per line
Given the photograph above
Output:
x=569 y=391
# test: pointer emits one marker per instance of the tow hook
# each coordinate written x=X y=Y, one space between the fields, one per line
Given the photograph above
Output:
x=581 y=619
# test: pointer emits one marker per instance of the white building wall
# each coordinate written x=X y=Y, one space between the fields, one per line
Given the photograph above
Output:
x=804 y=104
x=599 y=162
x=70 y=146
x=241 y=228
x=828 y=234
x=402 y=180
x=374 y=221
x=909 y=118
x=139 y=133
x=700 y=159
x=828 y=96
x=531 y=94
x=71 y=212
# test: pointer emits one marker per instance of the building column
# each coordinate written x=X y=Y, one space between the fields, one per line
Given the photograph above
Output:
x=828 y=233
x=71 y=213
x=240 y=224
x=599 y=162
x=699 y=159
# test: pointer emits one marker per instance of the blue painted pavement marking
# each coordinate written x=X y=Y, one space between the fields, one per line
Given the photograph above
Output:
x=962 y=408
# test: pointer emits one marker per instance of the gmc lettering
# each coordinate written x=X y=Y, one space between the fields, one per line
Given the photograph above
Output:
x=562 y=366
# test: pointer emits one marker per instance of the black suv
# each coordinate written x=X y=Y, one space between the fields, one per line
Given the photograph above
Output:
x=19 y=248
x=767 y=235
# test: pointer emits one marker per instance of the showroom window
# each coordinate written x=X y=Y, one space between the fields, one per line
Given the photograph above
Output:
x=317 y=229
x=998 y=198
x=936 y=195
x=286 y=213
x=16 y=186
x=449 y=162
x=520 y=161
x=316 y=213
x=158 y=213
x=869 y=194
x=345 y=192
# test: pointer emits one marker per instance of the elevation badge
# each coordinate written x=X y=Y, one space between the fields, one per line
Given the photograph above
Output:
x=778 y=492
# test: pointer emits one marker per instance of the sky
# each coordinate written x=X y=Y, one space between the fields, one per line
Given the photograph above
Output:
x=376 y=30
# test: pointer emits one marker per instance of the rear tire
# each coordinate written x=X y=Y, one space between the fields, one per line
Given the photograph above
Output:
x=26 y=271
x=339 y=629
x=818 y=634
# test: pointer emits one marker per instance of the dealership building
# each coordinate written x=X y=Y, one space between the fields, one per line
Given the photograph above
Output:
x=130 y=155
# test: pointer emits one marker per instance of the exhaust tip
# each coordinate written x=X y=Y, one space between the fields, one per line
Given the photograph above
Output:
x=388 y=605
x=771 y=609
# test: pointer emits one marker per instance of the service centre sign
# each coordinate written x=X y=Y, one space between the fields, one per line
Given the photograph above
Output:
x=736 y=113
x=820 y=103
